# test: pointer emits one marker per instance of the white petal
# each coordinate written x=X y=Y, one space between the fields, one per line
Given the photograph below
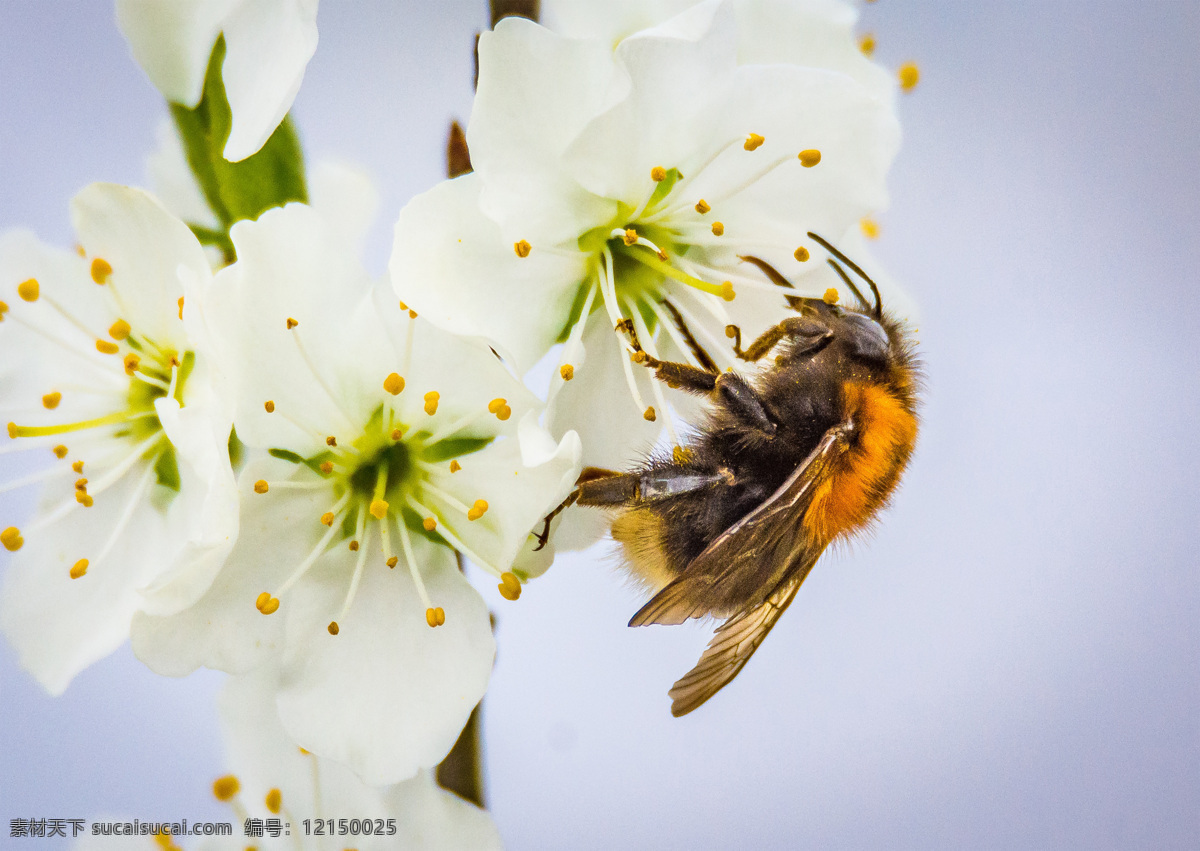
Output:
x=347 y=199
x=269 y=44
x=387 y=695
x=454 y=266
x=172 y=179
x=172 y=42
x=429 y=817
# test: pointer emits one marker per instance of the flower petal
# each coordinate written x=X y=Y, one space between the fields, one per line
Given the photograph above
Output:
x=172 y=42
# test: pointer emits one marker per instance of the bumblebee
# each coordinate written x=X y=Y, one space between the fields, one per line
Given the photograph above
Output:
x=803 y=455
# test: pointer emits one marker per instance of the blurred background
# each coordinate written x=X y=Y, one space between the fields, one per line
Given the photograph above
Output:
x=1012 y=661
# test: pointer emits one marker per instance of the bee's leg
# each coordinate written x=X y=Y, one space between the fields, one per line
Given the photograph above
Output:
x=740 y=399
x=588 y=487
x=814 y=333
x=676 y=375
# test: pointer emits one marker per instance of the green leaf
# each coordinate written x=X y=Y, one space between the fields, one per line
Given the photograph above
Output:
x=243 y=190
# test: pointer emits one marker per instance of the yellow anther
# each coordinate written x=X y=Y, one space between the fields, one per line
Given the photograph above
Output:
x=261 y=486
x=680 y=455
x=831 y=296
x=119 y=330
x=810 y=157
x=702 y=207
x=163 y=840
x=430 y=523
x=77 y=466
x=397 y=433
x=431 y=402
x=455 y=466
x=291 y=323
x=11 y=539
x=753 y=142
x=393 y=561
x=269 y=406
x=510 y=586
x=331 y=441
x=271 y=606
x=303 y=752
x=327 y=518
x=867 y=44
x=648 y=415
x=727 y=292
x=495 y=405
x=29 y=290
x=326 y=467
x=101 y=269
x=3 y=310
x=226 y=787
x=630 y=237
x=658 y=173
x=662 y=255
x=84 y=498
x=105 y=347
x=801 y=254
x=567 y=371
x=869 y=228
x=403 y=306
x=718 y=228
x=909 y=75
x=50 y=400
x=431 y=617
x=180 y=307
x=379 y=509
x=79 y=569
x=441 y=615
x=477 y=510
x=14 y=430
x=60 y=451
x=274 y=799
x=412 y=314
x=522 y=248
x=393 y=383
x=263 y=599
x=354 y=546
x=132 y=362
x=81 y=484
x=333 y=630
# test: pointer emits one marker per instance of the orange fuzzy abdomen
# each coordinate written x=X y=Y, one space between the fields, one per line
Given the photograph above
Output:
x=862 y=478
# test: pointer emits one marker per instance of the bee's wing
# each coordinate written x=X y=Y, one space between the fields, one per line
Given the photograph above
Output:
x=731 y=648
x=756 y=555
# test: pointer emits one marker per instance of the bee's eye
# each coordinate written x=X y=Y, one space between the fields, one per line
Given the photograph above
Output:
x=866 y=337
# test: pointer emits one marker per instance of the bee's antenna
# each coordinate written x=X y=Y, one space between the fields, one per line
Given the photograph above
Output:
x=775 y=277
x=839 y=255
x=837 y=267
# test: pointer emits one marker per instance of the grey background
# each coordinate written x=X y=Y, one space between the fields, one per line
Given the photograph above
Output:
x=1011 y=662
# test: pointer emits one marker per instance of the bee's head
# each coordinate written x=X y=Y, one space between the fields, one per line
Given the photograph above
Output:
x=856 y=332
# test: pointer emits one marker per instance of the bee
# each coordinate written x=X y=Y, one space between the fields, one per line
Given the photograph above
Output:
x=805 y=454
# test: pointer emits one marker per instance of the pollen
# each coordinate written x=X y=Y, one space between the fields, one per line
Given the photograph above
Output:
x=331 y=441
x=269 y=406
x=753 y=142
x=637 y=357
x=567 y=371
x=680 y=455
x=79 y=568
x=3 y=310
x=106 y=347
x=397 y=433
x=77 y=466
x=291 y=323
x=81 y=484
x=60 y=451
x=84 y=498
x=326 y=467
x=379 y=509
x=727 y=292
x=14 y=431
x=261 y=486
x=801 y=254
x=132 y=362
x=101 y=269
x=180 y=307
x=327 y=518
x=435 y=617
x=412 y=314
x=403 y=306
x=500 y=408
x=867 y=44
x=522 y=248
x=431 y=402
x=429 y=524
x=869 y=228
x=702 y=207
x=909 y=75
x=392 y=561
x=274 y=799
x=631 y=236
x=11 y=539
x=224 y=788
x=831 y=296
x=50 y=400
x=810 y=157
x=393 y=383
x=354 y=546
x=648 y=415
x=333 y=630
x=510 y=586
x=455 y=466
x=718 y=228
x=477 y=510
x=658 y=174
x=29 y=290
x=119 y=330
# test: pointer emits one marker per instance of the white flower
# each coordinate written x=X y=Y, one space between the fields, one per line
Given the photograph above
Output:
x=629 y=183
x=268 y=44
x=99 y=368
x=394 y=444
